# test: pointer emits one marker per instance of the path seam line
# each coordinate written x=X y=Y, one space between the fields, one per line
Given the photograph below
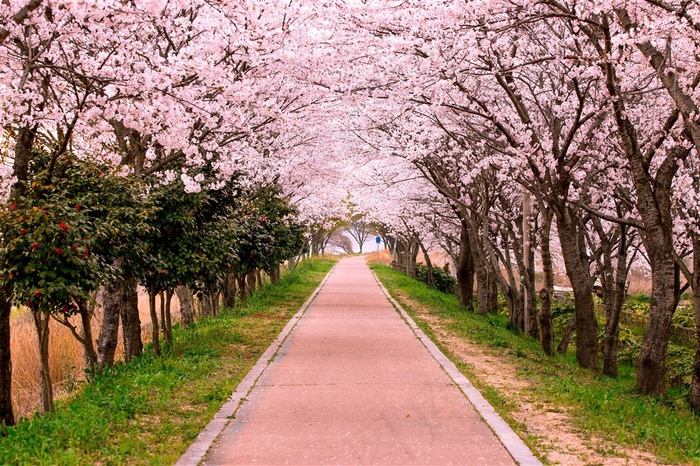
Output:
x=206 y=438
x=520 y=452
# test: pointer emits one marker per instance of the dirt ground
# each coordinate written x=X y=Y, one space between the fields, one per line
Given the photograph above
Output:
x=558 y=439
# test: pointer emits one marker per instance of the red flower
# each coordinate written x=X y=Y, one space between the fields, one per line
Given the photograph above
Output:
x=63 y=226
x=74 y=247
x=59 y=251
x=37 y=293
x=65 y=308
x=87 y=253
x=162 y=271
x=22 y=231
x=35 y=245
x=77 y=207
x=13 y=206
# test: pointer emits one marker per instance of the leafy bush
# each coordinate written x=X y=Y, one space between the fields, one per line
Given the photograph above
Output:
x=684 y=317
x=443 y=280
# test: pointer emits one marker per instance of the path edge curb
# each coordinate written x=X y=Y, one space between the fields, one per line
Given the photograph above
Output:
x=196 y=452
x=520 y=452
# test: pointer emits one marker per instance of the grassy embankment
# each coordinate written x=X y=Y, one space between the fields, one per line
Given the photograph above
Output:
x=600 y=406
x=150 y=410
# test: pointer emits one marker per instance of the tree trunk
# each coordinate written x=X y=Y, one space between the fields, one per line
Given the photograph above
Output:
x=242 y=288
x=207 y=310
x=168 y=321
x=483 y=280
x=411 y=257
x=651 y=364
x=259 y=279
x=531 y=298
x=566 y=338
x=7 y=417
x=152 y=293
x=492 y=302
x=428 y=264
x=275 y=275
x=545 y=314
x=654 y=207
x=41 y=321
x=184 y=295
x=695 y=384
x=23 y=154
x=163 y=325
x=250 y=283
x=465 y=271
x=579 y=275
x=483 y=273
x=213 y=300
x=612 y=326
x=86 y=311
x=131 y=320
x=229 y=290
x=109 y=331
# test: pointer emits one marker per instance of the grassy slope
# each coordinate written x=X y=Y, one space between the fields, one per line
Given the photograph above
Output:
x=149 y=411
x=605 y=407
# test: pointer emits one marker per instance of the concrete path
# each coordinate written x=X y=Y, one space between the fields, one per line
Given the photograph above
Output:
x=353 y=384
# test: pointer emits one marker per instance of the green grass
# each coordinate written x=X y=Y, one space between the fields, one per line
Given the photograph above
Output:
x=150 y=410
x=600 y=406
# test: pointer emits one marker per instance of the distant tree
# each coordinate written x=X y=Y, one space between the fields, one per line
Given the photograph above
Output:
x=340 y=241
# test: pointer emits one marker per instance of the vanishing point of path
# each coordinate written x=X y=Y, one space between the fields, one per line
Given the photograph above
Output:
x=353 y=384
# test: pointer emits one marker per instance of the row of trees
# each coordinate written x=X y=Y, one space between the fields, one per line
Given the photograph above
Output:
x=492 y=128
x=83 y=227
x=570 y=128
x=143 y=143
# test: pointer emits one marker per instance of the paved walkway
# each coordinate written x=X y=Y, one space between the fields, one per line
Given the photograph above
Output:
x=352 y=384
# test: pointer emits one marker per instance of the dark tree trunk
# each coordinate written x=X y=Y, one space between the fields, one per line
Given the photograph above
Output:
x=207 y=310
x=276 y=274
x=23 y=154
x=492 y=302
x=259 y=279
x=163 y=325
x=483 y=283
x=695 y=383
x=428 y=264
x=579 y=275
x=131 y=320
x=654 y=207
x=242 y=288
x=651 y=364
x=214 y=300
x=168 y=318
x=109 y=332
x=545 y=314
x=210 y=298
x=184 y=295
x=614 y=308
x=86 y=311
x=152 y=293
x=566 y=338
x=412 y=256
x=41 y=321
x=7 y=417
x=531 y=297
x=250 y=282
x=229 y=290
x=465 y=271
